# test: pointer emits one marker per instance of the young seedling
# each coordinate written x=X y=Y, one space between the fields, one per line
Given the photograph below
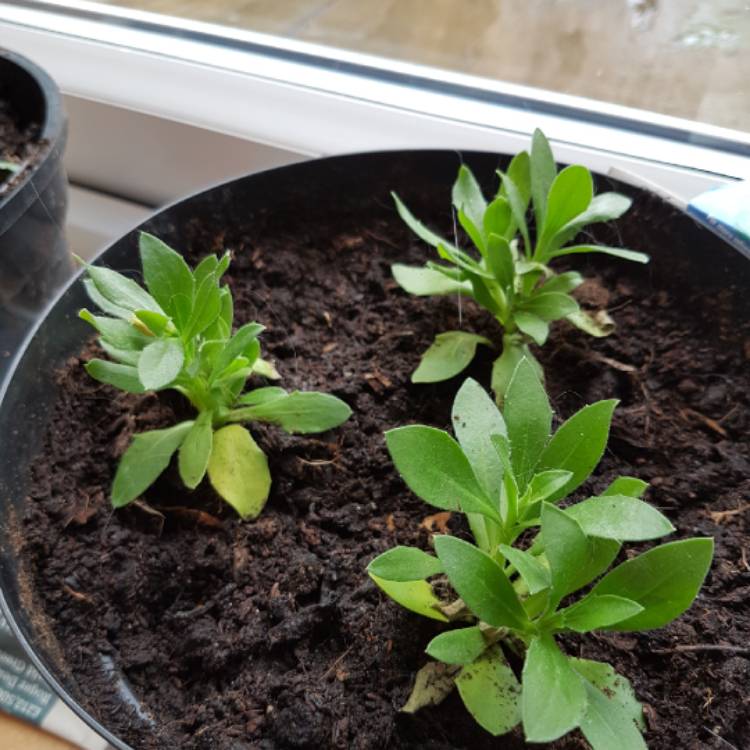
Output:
x=510 y=274
x=177 y=334
x=508 y=475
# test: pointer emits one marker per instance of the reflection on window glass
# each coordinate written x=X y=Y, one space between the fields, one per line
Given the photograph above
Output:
x=689 y=58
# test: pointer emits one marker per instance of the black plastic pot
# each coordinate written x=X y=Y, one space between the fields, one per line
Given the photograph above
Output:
x=29 y=390
x=34 y=259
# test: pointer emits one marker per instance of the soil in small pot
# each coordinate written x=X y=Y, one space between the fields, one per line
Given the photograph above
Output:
x=19 y=144
x=268 y=634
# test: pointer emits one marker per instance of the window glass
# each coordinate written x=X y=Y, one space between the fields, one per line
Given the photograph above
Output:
x=689 y=58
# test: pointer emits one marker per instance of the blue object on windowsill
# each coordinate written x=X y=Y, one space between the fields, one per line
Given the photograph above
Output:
x=725 y=211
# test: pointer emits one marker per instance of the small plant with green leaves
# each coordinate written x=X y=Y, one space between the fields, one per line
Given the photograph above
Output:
x=509 y=274
x=517 y=592
x=177 y=334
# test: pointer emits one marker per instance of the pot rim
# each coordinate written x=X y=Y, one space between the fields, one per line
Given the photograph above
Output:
x=53 y=132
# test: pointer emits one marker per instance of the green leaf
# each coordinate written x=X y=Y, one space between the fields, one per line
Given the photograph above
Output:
x=237 y=346
x=542 y=170
x=124 y=377
x=596 y=612
x=569 y=196
x=195 y=451
x=166 y=275
x=620 y=517
x=532 y=268
x=207 y=267
x=518 y=209
x=227 y=311
x=9 y=166
x=182 y=310
x=563 y=282
x=433 y=466
x=104 y=304
x=416 y=226
x=416 y=596
x=120 y=290
x=462 y=260
x=424 y=282
x=579 y=444
x=454 y=274
x=630 y=486
x=146 y=457
x=206 y=308
x=467 y=196
x=617 y=252
x=497 y=217
x=510 y=495
x=481 y=292
x=124 y=356
x=664 y=581
x=532 y=325
x=460 y=646
x=450 y=353
x=500 y=261
x=238 y=470
x=565 y=547
x=519 y=171
x=240 y=368
x=481 y=583
x=603 y=207
x=405 y=564
x=483 y=506
x=529 y=419
x=553 y=698
x=299 y=412
x=601 y=554
x=155 y=322
x=224 y=262
x=613 y=717
x=160 y=363
x=474 y=232
x=598 y=324
x=505 y=365
x=491 y=692
x=534 y=574
x=546 y=483
x=433 y=684
x=475 y=419
x=549 y=305
x=261 y=395
x=118 y=333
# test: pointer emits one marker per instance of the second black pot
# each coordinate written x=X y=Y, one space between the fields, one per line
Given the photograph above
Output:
x=34 y=258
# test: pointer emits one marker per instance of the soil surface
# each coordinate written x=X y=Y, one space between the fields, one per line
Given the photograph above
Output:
x=219 y=634
x=19 y=144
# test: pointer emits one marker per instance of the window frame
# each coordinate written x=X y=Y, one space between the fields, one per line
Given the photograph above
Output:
x=253 y=88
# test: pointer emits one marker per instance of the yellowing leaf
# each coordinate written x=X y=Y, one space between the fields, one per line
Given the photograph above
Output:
x=238 y=470
x=433 y=683
x=490 y=692
x=416 y=596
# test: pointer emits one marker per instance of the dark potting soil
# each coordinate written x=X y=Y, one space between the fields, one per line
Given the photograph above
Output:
x=19 y=144
x=268 y=634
